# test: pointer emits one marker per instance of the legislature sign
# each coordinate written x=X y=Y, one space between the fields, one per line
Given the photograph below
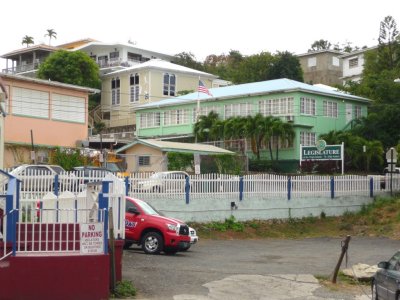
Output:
x=332 y=152
x=322 y=151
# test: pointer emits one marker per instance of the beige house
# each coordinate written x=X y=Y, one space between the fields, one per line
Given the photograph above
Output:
x=42 y=115
x=324 y=67
x=154 y=80
x=151 y=155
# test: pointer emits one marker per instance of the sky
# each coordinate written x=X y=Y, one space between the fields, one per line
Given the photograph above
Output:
x=200 y=27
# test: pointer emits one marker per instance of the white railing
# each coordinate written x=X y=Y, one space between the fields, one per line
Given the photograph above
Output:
x=52 y=230
x=37 y=185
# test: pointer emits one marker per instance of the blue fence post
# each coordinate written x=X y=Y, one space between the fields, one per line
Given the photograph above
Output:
x=289 y=188
x=332 y=187
x=371 y=187
x=127 y=187
x=103 y=207
x=56 y=186
x=187 y=190
x=241 y=188
x=11 y=226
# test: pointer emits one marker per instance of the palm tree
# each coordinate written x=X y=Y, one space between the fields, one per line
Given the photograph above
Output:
x=28 y=40
x=51 y=34
x=267 y=127
x=254 y=131
x=203 y=126
x=285 y=134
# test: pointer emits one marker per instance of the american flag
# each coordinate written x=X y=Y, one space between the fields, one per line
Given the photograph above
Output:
x=203 y=89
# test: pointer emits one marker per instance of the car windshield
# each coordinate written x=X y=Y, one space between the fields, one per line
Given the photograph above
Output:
x=112 y=167
x=147 y=208
x=57 y=169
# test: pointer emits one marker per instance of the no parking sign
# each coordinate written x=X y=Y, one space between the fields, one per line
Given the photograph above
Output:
x=92 y=238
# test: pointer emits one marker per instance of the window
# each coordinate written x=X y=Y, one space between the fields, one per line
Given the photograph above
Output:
x=115 y=91
x=276 y=107
x=353 y=62
x=114 y=55
x=238 y=110
x=148 y=120
x=169 y=84
x=134 y=83
x=330 y=109
x=307 y=106
x=30 y=103
x=312 y=62
x=144 y=160
x=335 y=61
x=177 y=117
x=357 y=112
x=68 y=108
x=307 y=138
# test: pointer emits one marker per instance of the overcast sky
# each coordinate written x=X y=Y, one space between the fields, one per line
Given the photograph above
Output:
x=201 y=27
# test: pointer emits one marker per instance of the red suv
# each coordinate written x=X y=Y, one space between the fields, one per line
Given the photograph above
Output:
x=146 y=227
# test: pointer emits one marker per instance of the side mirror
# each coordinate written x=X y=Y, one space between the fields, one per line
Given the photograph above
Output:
x=383 y=265
x=133 y=210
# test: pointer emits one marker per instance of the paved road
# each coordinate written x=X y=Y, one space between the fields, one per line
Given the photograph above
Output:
x=249 y=269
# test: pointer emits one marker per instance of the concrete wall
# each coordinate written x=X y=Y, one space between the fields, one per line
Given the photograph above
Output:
x=214 y=209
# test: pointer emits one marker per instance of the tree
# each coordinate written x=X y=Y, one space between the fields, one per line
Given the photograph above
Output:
x=201 y=129
x=70 y=67
x=187 y=59
x=51 y=34
x=28 y=40
x=320 y=45
x=286 y=65
x=388 y=34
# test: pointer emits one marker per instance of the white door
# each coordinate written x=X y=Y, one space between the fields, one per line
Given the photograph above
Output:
x=349 y=112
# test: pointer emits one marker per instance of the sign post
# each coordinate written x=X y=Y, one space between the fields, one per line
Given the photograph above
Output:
x=391 y=157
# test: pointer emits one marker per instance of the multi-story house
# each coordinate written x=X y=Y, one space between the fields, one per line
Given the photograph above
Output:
x=42 y=115
x=324 y=66
x=124 y=90
x=353 y=65
x=312 y=110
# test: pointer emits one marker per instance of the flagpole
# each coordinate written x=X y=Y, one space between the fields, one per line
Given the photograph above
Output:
x=197 y=108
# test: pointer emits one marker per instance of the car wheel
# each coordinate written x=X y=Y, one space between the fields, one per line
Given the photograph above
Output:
x=374 y=292
x=152 y=243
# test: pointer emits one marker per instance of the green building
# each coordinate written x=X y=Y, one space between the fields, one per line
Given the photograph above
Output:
x=312 y=109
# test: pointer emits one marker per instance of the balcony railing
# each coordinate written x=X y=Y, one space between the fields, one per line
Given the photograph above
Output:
x=22 y=68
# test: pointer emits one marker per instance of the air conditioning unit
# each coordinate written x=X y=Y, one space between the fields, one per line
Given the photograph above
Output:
x=290 y=118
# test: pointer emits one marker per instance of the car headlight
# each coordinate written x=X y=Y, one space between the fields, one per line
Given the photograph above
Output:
x=173 y=227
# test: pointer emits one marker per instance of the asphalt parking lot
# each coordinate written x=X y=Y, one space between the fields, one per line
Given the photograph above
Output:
x=250 y=269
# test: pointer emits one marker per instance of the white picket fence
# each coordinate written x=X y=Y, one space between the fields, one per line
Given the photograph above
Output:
x=35 y=186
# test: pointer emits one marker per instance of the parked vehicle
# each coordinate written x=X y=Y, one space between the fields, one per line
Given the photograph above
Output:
x=170 y=181
x=385 y=282
x=396 y=170
x=30 y=175
x=90 y=173
x=146 y=227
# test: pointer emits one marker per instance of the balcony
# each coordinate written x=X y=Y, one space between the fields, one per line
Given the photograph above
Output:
x=24 y=68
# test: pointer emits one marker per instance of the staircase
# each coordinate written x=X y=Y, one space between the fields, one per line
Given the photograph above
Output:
x=95 y=116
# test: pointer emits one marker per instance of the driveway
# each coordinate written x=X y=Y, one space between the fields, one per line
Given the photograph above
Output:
x=250 y=269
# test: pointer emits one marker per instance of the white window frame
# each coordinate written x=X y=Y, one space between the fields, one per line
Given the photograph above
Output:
x=144 y=160
x=330 y=109
x=353 y=62
x=150 y=120
x=238 y=110
x=276 y=107
x=169 y=84
x=308 y=138
x=134 y=88
x=357 y=111
x=115 y=91
x=307 y=106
